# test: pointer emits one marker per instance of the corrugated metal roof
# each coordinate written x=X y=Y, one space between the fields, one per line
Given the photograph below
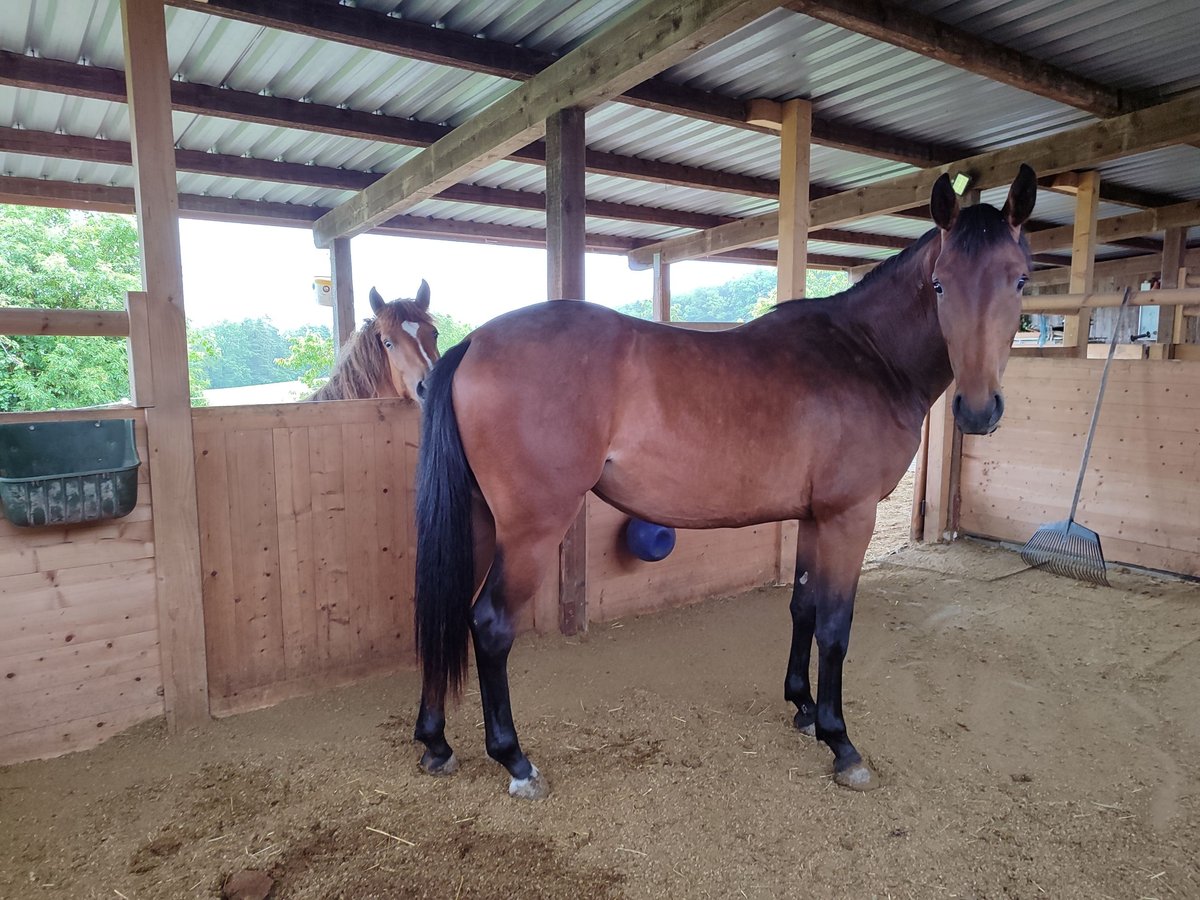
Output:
x=850 y=78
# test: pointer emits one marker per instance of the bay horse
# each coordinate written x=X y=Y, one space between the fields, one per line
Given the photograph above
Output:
x=812 y=412
x=389 y=355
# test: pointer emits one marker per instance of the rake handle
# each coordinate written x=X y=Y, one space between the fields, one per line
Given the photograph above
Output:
x=1087 y=446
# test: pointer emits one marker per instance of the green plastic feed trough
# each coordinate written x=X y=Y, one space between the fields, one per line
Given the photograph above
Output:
x=60 y=473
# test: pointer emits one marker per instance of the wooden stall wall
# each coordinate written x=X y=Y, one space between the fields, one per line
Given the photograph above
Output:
x=1142 y=490
x=703 y=564
x=307 y=545
x=79 y=654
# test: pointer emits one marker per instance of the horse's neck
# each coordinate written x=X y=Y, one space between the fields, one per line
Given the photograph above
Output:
x=896 y=314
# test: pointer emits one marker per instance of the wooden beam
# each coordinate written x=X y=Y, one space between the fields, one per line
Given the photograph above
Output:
x=342 y=269
x=1083 y=257
x=796 y=135
x=1126 y=270
x=565 y=143
x=1068 y=304
x=169 y=421
x=565 y=229
x=141 y=363
x=19 y=70
x=660 y=298
x=647 y=38
x=80 y=322
x=945 y=43
x=1114 y=229
x=1173 y=122
x=1174 y=249
x=371 y=30
x=938 y=468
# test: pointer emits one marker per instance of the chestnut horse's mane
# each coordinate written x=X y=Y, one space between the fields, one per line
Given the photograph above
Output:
x=362 y=365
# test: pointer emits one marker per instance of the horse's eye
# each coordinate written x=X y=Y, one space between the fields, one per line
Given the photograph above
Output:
x=937 y=287
x=388 y=344
x=435 y=334
x=1021 y=282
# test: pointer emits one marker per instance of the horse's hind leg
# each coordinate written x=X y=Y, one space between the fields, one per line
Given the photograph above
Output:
x=439 y=758
x=518 y=571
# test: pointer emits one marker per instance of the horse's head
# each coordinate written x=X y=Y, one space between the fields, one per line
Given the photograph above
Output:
x=407 y=335
x=978 y=277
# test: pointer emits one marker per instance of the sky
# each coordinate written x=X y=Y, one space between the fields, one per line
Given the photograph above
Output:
x=233 y=272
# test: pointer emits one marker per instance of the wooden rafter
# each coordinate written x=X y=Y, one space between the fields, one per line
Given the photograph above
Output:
x=96 y=82
x=1173 y=122
x=925 y=35
x=645 y=39
x=114 y=152
x=376 y=31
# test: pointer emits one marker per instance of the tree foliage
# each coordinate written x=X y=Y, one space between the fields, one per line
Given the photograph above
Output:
x=61 y=259
x=739 y=299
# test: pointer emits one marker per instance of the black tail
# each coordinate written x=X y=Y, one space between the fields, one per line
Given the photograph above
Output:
x=445 y=545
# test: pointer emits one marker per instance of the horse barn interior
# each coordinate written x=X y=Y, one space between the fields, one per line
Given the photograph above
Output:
x=1034 y=735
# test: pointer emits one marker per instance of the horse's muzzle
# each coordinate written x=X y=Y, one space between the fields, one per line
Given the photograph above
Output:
x=978 y=421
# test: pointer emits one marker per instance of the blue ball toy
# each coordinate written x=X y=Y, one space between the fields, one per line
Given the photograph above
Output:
x=649 y=542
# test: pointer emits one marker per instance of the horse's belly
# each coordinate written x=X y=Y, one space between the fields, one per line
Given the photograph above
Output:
x=702 y=490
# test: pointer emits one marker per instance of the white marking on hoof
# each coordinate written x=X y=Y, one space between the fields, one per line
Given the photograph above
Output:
x=449 y=767
x=808 y=730
x=858 y=777
x=535 y=787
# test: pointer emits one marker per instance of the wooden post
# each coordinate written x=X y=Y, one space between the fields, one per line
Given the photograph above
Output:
x=343 y=291
x=1083 y=259
x=660 y=303
x=1174 y=246
x=796 y=138
x=565 y=269
x=141 y=369
x=938 y=468
x=169 y=421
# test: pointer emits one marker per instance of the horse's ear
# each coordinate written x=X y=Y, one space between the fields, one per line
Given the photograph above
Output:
x=376 y=302
x=423 y=296
x=943 y=203
x=1021 y=197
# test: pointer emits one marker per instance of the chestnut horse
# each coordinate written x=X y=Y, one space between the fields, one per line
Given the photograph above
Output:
x=389 y=355
x=812 y=412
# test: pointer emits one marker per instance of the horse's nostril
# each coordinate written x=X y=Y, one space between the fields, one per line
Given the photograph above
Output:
x=956 y=407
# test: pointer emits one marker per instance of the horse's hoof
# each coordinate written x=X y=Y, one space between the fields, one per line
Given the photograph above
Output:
x=857 y=777
x=535 y=787
x=431 y=766
x=809 y=730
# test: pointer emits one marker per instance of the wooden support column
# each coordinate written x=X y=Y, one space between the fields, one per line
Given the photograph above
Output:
x=660 y=301
x=1083 y=259
x=796 y=139
x=169 y=421
x=343 y=291
x=939 y=469
x=141 y=368
x=1174 y=245
x=565 y=269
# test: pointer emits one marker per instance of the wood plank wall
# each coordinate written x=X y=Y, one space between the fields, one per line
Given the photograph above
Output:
x=79 y=656
x=703 y=564
x=1142 y=490
x=307 y=545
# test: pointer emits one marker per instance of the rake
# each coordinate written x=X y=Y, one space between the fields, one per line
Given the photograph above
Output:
x=1067 y=548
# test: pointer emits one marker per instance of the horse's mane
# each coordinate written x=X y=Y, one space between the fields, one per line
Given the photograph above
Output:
x=362 y=364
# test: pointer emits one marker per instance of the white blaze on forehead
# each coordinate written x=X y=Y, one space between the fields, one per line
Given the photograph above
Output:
x=411 y=329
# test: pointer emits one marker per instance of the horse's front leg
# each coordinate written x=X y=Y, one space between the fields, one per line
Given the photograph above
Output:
x=836 y=549
x=796 y=686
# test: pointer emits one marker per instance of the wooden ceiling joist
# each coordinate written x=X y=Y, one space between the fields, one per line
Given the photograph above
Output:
x=1115 y=229
x=96 y=82
x=925 y=35
x=376 y=31
x=645 y=39
x=1176 y=121
x=84 y=149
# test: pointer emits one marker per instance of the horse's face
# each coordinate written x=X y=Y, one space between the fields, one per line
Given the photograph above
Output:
x=408 y=336
x=978 y=279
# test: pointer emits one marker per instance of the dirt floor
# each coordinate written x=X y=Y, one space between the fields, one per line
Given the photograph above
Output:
x=1036 y=738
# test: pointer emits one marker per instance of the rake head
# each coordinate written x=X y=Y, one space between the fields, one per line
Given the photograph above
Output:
x=1067 y=548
